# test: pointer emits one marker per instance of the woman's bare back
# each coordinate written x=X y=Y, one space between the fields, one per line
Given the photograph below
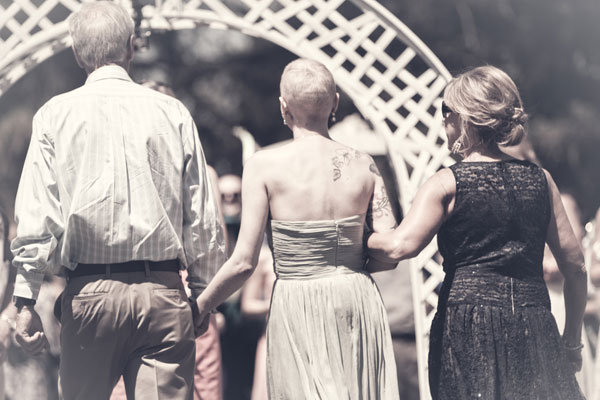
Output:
x=315 y=178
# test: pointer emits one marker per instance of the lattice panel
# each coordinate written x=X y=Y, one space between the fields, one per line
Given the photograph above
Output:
x=393 y=78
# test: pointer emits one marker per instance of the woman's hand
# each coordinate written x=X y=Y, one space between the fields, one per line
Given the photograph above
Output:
x=573 y=353
x=201 y=327
x=575 y=359
x=200 y=318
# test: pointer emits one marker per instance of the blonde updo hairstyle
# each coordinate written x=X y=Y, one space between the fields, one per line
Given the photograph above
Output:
x=490 y=108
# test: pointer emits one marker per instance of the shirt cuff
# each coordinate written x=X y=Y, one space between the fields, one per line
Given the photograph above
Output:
x=28 y=283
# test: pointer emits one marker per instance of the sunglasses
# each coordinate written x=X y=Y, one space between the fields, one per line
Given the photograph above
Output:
x=446 y=111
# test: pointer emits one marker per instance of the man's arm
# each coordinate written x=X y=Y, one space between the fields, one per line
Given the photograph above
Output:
x=203 y=235
x=37 y=212
x=39 y=230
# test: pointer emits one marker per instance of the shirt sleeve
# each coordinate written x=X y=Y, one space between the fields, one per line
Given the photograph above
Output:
x=37 y=213
x=203 y=236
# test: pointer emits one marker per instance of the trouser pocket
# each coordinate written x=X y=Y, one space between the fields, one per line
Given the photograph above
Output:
x=58 y=306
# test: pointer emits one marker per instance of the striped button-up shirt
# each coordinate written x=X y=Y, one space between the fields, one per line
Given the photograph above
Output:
x=114 y=172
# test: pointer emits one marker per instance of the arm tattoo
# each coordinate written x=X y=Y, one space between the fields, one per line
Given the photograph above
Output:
x=342 y=159
x=381 y=204
x=380 y=207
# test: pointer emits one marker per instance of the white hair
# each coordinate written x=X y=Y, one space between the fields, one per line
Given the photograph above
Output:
x=101 y=32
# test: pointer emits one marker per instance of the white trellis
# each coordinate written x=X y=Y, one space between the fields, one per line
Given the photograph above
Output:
x=393 y=78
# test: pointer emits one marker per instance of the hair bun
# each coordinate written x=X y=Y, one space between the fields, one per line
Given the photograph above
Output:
x=519 y=116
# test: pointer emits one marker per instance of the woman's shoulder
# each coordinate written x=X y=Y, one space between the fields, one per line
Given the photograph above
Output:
x=265 y=158
x=440 y=185
x=445 y=179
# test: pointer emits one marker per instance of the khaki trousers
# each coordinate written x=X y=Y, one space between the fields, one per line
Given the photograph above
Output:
x=138 y=325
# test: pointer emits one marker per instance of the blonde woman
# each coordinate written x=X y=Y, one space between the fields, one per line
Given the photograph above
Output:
x=493 y=336
x=327 y=332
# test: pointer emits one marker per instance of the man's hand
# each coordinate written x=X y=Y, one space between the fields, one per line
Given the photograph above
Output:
x=30 y=332
x=201 y=327
x=5 y=331
x=200 y=319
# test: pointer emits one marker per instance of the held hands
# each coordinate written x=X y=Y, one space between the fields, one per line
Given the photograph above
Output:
x=30 y=332
x=200 y=319
x=5 y=331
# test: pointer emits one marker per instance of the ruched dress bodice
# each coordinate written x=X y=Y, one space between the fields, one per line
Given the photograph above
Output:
x=327 y=333
x=314 y=249
x=493 y=336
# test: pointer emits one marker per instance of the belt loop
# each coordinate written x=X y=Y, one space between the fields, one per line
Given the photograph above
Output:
x=147 y=268
x=107 y=270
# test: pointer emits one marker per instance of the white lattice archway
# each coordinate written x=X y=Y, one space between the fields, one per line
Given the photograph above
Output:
x=393 y=78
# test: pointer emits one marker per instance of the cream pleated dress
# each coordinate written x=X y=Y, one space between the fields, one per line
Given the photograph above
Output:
x=327 y=334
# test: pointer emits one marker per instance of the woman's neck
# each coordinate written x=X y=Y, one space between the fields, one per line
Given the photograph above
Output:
x=304 y=132
x=485 y=153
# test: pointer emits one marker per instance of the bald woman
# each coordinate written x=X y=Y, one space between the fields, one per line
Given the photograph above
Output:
x=327 y=332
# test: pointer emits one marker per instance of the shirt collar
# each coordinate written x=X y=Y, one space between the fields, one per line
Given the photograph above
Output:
x=108 y=72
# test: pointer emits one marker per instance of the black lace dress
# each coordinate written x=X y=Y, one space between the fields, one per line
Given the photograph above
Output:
x=494 y=337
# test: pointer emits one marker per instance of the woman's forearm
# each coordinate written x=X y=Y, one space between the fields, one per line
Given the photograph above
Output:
x=380 y=247
x=575 y=293
x=393 y=247
x=230 y=277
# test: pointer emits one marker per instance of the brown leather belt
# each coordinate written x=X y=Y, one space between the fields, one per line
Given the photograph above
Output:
x=129 y=266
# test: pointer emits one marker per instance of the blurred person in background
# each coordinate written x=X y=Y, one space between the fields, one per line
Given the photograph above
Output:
x=115 y=193
x=593 y=308
x=493 y=335
x=7 y=318
x=230 y=187
x=256 y=302
x=595 y=251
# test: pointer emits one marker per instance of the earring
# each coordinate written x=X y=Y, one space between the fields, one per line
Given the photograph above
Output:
x=456 y=147
x=283 y=118
x=332 y=118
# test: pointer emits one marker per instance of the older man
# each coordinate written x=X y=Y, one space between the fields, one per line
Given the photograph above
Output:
x=115 y=189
